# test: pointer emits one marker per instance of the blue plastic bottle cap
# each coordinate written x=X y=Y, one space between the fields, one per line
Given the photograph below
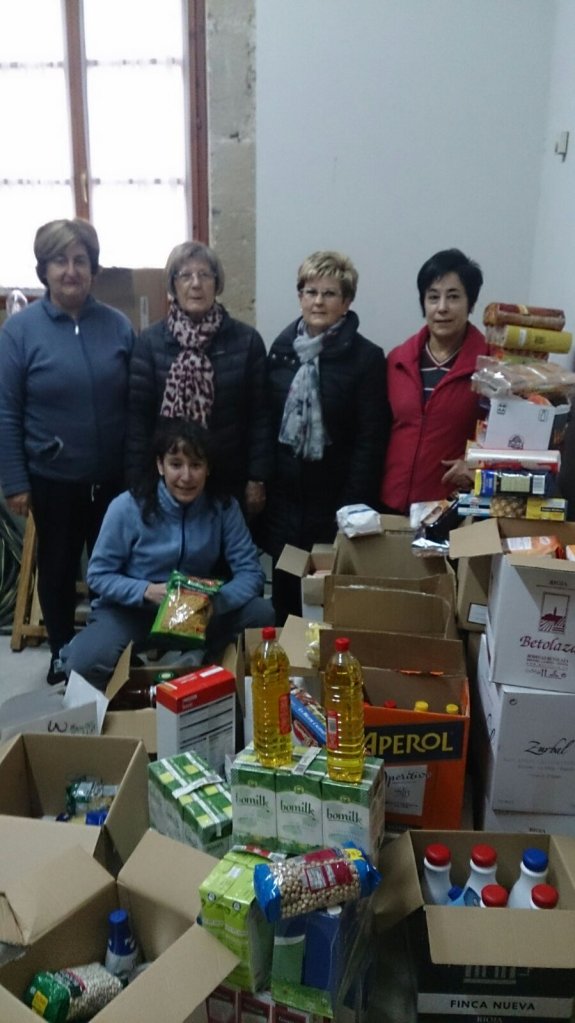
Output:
x=117 y=917
x=535 y=860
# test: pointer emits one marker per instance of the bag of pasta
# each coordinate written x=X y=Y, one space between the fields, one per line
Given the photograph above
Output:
x=185 y=611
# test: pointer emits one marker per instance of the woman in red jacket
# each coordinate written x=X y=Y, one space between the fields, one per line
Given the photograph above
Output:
x=433 y=407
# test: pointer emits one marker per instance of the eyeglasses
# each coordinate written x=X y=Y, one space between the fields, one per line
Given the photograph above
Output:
x=185 y=276
x=312 y=293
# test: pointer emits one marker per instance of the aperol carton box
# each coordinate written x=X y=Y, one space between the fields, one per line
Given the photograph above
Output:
x=483 y=966
x=425 y=753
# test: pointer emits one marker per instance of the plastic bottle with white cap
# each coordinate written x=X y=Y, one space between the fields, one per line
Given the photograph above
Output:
x=436 y=882
x=482 y=871
x=533 y=870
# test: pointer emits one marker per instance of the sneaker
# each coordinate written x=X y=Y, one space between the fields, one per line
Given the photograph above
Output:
x=56 y=673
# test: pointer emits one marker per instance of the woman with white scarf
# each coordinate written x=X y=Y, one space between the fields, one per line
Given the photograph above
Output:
x=200 y=364
x=329 y=415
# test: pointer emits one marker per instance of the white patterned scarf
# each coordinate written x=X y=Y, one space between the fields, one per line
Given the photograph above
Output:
x=189 y=390
x=302 y=422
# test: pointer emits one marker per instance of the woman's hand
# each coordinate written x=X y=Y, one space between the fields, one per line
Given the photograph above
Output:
x=155 y=593
x=458 y=476
x=19 y=504
x=255 y=497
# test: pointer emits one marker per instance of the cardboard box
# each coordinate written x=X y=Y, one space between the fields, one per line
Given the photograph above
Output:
x=425 y=754
x=77 y=709
x=531 y=622
x=396 y=610
x=531 y=611
x=480 y=965
x=197 y=712
x=162 y=910
x=472 y=588
x=525 y=823
x=141 y=723
x=140 y=294
x=387 y=555
x=312 y=567
x=31 y=852
x=442 y=585
x=518 y=423
x=529 y=765
x=35 y=770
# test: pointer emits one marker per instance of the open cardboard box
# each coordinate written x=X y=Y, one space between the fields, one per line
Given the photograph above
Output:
x=76 y=709
x=29 y=849
x=475 y=543
x=391 y=609
x=159 y=887
x=484 y=964
x=35 y=770
x=425 y=753
x=312 y=567
x=141 y=724
x=388 y=555
x=442 y=585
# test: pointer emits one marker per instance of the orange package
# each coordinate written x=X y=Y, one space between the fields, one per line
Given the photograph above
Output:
x=538 y=546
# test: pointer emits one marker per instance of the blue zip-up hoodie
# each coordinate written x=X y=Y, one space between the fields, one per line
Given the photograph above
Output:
x=193 y=538
x=63 y=394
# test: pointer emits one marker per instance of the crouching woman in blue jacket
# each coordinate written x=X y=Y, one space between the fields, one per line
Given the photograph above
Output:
x=172 y=519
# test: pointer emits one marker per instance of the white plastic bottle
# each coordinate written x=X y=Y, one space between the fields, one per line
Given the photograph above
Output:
x=493 y=896
x=532 y=871
x=543 y=896
x=436 y=883
x=482 y=871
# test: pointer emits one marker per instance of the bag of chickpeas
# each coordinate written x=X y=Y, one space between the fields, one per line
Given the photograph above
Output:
x=185 y=611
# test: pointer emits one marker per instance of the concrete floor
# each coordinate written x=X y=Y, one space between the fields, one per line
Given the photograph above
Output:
x=23 y=671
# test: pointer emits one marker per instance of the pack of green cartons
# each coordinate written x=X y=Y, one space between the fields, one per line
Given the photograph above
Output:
x=190 y=802
x=297 y=808
x=230 y=911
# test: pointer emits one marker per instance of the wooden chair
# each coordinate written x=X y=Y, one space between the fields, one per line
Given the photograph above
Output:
x=28 y=626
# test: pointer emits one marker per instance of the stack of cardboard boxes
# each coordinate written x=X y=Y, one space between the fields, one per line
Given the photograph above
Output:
x=399 y=613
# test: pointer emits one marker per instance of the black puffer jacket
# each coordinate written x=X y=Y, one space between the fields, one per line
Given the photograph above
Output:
x=303 y=497
x=239 y=421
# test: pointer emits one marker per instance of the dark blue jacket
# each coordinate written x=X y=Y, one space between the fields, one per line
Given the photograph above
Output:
x=63 y=394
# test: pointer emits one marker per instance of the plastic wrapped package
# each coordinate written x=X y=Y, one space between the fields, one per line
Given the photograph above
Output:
x=495 y=379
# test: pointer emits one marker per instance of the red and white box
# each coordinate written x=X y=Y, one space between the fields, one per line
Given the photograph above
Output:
x=198 y=712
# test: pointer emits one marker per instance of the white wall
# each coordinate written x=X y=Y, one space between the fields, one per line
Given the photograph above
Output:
x=393 y=128
x=553 y=276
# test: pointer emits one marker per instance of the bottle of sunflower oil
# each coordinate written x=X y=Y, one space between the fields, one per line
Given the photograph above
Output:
x=271 y=702
x=343 y=703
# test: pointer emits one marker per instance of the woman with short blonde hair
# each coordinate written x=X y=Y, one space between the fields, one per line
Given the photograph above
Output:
x=329 y=416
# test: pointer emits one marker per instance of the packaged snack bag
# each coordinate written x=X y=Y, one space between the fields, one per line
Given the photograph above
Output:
x=185 y=611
